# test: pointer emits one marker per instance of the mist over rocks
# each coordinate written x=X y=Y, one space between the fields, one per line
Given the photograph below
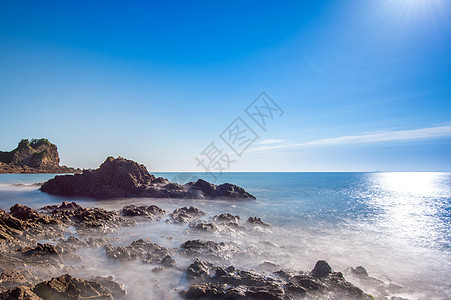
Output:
x=206 y=262
x=123 y=178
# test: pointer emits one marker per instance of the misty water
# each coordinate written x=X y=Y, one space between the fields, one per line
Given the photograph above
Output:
x=396 y=225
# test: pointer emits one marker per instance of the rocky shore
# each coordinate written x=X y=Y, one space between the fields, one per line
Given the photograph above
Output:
x=41 y=257
x=123 y=178
x=35 y=156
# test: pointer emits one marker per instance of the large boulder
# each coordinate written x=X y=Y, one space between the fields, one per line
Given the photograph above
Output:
x=123 y=178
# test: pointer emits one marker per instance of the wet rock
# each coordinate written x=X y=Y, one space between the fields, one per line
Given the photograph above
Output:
x=10 y=226
x=216 y=282
x=11 y=278
x=150 y=252
x=198 y=270
x=87 y=218
x=19 y=293
x=321 y=269
x=186 y=214
x=212 y=249
x=227 y=218
x=30 y=215
x=204 y=226
x=116 y=289
x=152 y=211
x=122 y=178
x=359 y=271
x=68 y=287
x=43 y=254
x=211 y=282
x=255 y=221
x=168 y=261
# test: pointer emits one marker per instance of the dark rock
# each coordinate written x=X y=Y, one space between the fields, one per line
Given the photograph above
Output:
x=255 y=221
x=150 y=252
x=211 y=249
x=151 y=211
x=321 y=269
x=186 y=214
x=122 y=178
x=20 y=293
x=11 y=278
x=68 y=287
x=226 y=218
x=359 y=271
x=198 y=270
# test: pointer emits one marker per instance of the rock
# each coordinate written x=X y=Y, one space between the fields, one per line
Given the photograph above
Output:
x=152 y=211
x=122 y=178
x=86 y=218
x=211 y=249
x=35 y=156
x=150 y=253
x=209 y=281
x=359 y=271
x=255 y=221
x=227 y=218
x=185 y=214
x=68 y=287
x=321 y=269
x=20 y=293
x=11 y=278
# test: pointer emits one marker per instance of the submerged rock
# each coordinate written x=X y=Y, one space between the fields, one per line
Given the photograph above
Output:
x=186 y=214
x=149 y=252
x=122 y=178
x=255 y=221
x=152 y=211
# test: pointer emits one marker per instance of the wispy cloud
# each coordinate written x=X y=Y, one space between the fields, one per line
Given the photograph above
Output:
x=386 y=136
x=271 y=141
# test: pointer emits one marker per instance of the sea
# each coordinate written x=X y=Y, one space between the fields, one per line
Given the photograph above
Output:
x=397 y=225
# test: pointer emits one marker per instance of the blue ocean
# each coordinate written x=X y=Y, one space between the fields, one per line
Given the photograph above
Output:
x=397 y=225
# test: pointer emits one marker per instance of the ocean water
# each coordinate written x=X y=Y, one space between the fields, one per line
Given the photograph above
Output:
x=396 y=225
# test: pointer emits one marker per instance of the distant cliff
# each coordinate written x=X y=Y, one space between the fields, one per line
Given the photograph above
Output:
x=35 y=156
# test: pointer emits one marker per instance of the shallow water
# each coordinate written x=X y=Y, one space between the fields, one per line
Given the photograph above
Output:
x=396 y=225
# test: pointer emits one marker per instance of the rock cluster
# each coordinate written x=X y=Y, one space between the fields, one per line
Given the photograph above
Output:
x=215 y=282
x=122 y=178
x=35 y=156
x=68 y=287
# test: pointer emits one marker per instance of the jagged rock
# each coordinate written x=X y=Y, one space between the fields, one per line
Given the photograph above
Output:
x=227 y=218
x=255 y=221
x=35 y=156
x=185 y=214
x=321 y=269
x=20 y=293
x=152 y=211
x=212 y=249
x=122 y=178
x=359 y=271
x=11 y=278
x=68 y=287
x=74 y=214
x=150 y=252
x=214 y=282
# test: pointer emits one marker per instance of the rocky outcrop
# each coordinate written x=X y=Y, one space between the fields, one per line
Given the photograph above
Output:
x=215 y=282
x=122 y=178
x=68 y=287
x=35 y=156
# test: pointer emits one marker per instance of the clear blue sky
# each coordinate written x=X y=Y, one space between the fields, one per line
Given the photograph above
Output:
x=364 y=85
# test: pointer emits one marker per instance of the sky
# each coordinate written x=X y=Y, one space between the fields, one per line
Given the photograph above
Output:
x=353 y=85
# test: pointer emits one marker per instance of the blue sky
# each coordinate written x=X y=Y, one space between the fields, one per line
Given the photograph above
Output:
x=364 y=85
